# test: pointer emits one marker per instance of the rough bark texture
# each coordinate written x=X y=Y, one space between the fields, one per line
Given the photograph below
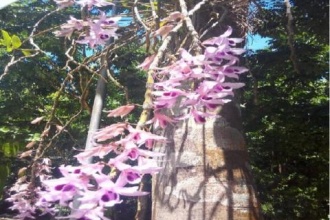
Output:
x=206 y=173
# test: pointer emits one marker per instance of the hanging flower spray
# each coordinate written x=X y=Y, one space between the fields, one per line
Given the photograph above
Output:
x=194 y=84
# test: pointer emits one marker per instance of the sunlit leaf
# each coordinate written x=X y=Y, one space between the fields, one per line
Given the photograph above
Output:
x=16 y=42
x=10 y=149
x=124 y=3
x=9 y=48
x=4 y=129
x=6 y=38
x=4 y=172
x=26 y=52
x=35 y=137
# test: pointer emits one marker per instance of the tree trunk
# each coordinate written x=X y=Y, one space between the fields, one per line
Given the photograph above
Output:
x=206 y=172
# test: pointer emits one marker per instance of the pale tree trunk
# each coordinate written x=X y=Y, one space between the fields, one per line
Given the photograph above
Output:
x=206 y=173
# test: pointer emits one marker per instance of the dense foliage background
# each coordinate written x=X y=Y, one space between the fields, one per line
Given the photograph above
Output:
x=286 y=111
x=284 y=103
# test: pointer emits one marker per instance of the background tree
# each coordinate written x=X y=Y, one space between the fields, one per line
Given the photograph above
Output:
x=285 y=115
x=30 y=88
x=286 y=111
x=45 y=88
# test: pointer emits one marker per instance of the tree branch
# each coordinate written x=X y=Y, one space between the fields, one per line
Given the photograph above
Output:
x=293 y=56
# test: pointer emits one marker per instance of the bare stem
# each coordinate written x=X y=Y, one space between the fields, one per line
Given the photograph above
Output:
x=293 y=56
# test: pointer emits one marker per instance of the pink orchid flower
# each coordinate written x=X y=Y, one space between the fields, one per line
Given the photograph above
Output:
x=174 y=16
x=147 y=62
x=200 y=116
x=141 y=137
x=147 y=165
x=100 y=30
x=60 y=190
x=97 y=151
x=163 y=31
x=118 y=188
x=167 y=99
x=110 y=132
x=129 y=175
x=99 y=37
x=68 y=28
x=161 y=120
x=90 y=212
x=121 y=111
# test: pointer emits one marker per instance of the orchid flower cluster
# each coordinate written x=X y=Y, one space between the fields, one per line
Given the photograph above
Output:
x=93 y=186
x=95 y=31
x=97 y=185
x=198 y=83
x=121 y=154
x=23 y=198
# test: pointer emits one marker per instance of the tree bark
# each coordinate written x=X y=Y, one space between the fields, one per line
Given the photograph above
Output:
x=206 y=172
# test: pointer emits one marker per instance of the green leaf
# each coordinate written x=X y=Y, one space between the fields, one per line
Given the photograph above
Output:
x=16 y=42
x=9 y=48
x=34 y=137
x=4 y=129
x=26 y=52
x=10 y=149
x=6 y=39
x=4 y=172
x=124 y=3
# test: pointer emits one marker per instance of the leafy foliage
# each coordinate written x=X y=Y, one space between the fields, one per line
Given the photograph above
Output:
x=286 y=115
x=30 y=88
x=10 y=42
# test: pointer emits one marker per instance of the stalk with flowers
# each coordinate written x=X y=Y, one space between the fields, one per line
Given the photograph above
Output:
x=195 y=83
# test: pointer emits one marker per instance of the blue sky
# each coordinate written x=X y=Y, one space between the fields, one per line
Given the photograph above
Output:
x=4 y=3
x=256 y=42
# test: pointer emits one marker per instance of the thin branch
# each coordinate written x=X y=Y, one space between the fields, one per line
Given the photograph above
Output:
x=116 y=82
x=293 y=56
x=35 y=29
x=224 y=14
x=153 y=10
x=197 y=7
x=138 y=17
x=78 y=63
x=37 y=48
x=190 y=26
x=41 y=147
x=147 y=105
